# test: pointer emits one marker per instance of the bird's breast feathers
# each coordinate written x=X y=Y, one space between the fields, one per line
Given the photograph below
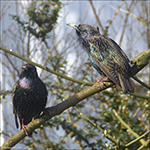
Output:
x=24 y=82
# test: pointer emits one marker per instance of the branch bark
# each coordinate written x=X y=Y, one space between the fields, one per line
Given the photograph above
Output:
x=45 y=68
x=125 y=22
x=96 y=16
x=139 y=63
x=128 y=127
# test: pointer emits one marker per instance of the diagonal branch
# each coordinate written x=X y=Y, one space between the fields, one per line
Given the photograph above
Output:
x=125 y=22
x=45 y=68
x=128 y=127
x=56 y=110
x=137 y=17
x=73 y=100
x=137 y=139
x=98 y=126
x=139 y=62
x=142 y=83
x=96 y=16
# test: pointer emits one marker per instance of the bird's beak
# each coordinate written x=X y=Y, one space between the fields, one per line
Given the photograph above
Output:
x=24 y=67
x=73 y=26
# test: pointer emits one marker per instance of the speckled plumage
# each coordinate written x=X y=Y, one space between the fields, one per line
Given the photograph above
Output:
x=105 y=55
x=29 y=96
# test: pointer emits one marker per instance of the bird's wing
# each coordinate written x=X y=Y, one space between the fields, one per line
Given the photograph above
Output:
x=100 y=50
x=95 y=66
x=118 y=47
x=108 y=71
x=100 y=53
x=109 y=54
x=13 y=98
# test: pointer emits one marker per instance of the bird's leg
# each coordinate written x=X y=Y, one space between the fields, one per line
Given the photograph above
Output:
x=24 y=127
x=99 y=80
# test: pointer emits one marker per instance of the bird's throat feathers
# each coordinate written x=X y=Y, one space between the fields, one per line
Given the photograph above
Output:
x=24 y=82
x=84 y=44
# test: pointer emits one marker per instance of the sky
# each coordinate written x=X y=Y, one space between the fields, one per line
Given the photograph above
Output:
x=75 y=12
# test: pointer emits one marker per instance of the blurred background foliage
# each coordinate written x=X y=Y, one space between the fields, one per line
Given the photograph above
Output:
x=71 y=129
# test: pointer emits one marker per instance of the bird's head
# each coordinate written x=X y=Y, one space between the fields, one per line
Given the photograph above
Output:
x=29 y=71
x=85 y=31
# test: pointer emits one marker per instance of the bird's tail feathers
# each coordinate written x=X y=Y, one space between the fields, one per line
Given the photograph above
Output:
x=126 y=84
x=16 y=121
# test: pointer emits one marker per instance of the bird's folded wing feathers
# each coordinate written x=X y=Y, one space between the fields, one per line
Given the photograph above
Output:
x=111 y=74
x=104 y=61
x=118 y=47
x=98 y=52
x=14 y=111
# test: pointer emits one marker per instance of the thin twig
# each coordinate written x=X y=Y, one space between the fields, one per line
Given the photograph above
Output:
x=125 y=22
x=128 y=127
x=71 y=101
x=46 y=68
x=115 y=14
x=133 y=15
x=142 y=83
x=95 y=125
x=6 y=101
x=96 y=16
x=140 y=96
x=140 y=61
x=137 y=139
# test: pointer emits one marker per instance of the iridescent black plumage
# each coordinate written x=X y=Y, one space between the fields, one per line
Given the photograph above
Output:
x=29 y=96
x=105 y=55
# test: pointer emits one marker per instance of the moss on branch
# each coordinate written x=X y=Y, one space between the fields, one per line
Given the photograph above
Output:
x=139 y=63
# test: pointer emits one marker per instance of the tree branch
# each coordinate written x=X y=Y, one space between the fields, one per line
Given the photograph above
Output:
x=138 y=18
x=45 y=68
x=108 y=136
x=125 y=22
x=56 y=110
x=128 y=127
x=96 y=16
x=140 y=62
x=142 y=83
x=137 y=139
x=140 y=96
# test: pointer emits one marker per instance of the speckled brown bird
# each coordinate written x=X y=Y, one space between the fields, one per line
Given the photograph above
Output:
x=29 y=96
x=105 y=55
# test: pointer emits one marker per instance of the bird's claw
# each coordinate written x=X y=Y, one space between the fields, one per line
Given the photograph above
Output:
x=99 y=80
x=24 y=129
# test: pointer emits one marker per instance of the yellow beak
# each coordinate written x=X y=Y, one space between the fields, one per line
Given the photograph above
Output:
x=73 y=26
x=24 y=67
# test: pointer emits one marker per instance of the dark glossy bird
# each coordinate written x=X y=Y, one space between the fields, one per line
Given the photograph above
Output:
x=105 y=55
x=29 y=96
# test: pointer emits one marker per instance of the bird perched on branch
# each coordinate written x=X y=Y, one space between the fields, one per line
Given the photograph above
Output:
x=29 y=96
x=105 y=55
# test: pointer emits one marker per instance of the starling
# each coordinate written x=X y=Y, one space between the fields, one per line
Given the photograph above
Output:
x=29 y=96
x=105 y=55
